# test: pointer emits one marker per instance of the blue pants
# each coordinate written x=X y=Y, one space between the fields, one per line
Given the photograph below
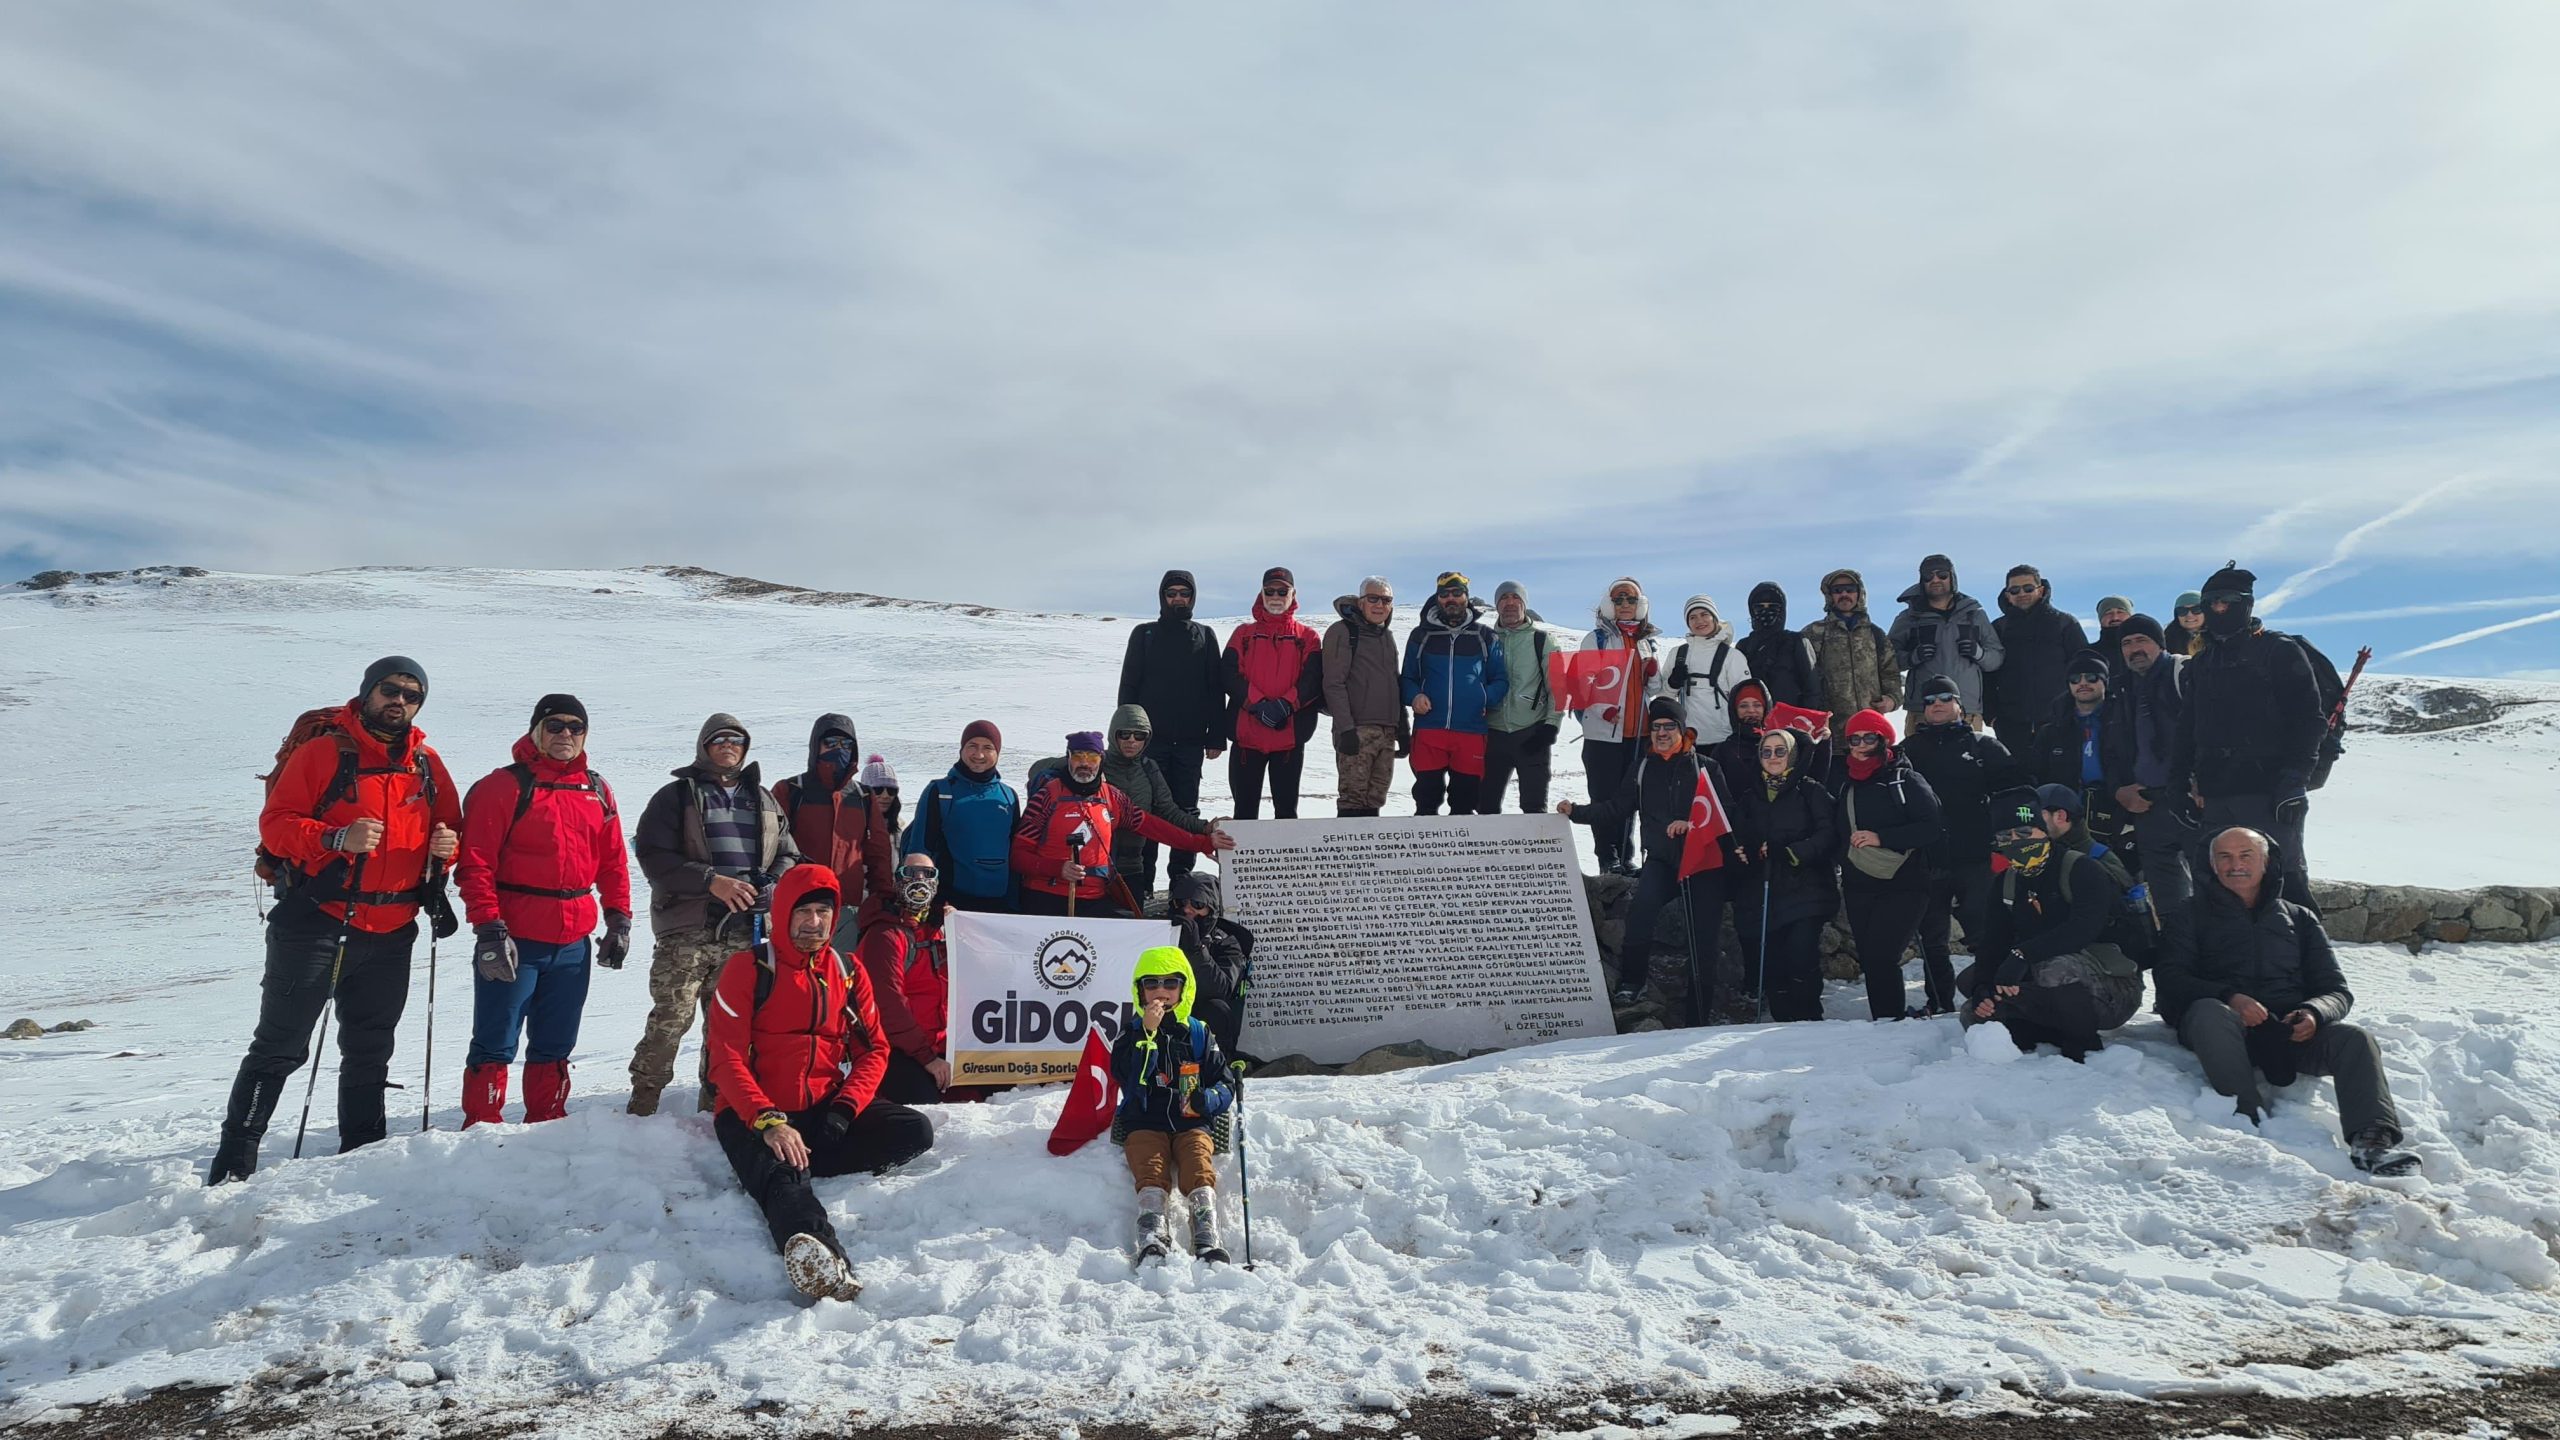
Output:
x=543 y=1003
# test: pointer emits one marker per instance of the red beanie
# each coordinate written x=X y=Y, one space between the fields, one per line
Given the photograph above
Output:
x=983 y=730
x=1868 y=722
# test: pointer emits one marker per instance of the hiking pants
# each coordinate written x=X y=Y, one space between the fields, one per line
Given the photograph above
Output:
x=1962 y=894
x=884 y=1135
x=1792 y=980
x=1605 y=763
x=2232 y=1053
x=1366 y=774
x=2063 y=1002
x=1882 y=918
x=1531 y=754
x=681 y=971
x=2160 y=843
x=1181 y=761
x=1245 y=769
x=372 y=989
x=543 y=1003
x=1158 y=1157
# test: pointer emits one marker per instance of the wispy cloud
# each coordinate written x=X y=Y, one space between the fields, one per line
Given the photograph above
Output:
x=2409 y=612
x=2327 y=572
x=2467 y=636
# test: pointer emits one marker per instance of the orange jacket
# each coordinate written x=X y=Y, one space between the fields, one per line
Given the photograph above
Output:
x=387 y=787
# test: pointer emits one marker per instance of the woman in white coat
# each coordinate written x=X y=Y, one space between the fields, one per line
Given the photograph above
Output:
x=1702 y=669
x=1613 y=733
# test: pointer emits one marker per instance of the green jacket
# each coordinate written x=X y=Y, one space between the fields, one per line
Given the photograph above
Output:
x=1529 y=702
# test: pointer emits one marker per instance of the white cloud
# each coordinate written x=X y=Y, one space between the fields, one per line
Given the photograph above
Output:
x=819 y=292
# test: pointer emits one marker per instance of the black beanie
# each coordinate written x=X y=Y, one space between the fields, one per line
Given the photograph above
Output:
x=390 y=665
x=2141 y=625
x=2087 y=661
x=1939 y=687
x=1665 y=707
x=550 y=705
x=2232 y=577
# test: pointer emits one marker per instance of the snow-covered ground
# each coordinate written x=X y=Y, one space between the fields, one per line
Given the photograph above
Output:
x=1764 y=1207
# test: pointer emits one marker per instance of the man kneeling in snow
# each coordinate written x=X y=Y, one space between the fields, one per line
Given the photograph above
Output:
x=2251 y=984
x=2049 y=965
x=797 y=1050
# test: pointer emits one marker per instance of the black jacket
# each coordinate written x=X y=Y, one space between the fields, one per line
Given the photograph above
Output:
x=1962 y=769
x=1897 y=804
x=1801 y=826
x=2252 y=723
x=2157 y=697
x=2036 y=643
x=1781 y=659
x=1175 y=671
x=1221 y=955
x=2030 y=916
x=2053 y=757
x=2276 y=954
x=1658 y=791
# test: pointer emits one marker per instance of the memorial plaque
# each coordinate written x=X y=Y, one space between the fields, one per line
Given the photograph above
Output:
x=1468 y=932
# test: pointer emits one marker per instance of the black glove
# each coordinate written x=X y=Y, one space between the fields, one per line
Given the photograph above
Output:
x=832 y=1125
x=2293 y=800
x=1923 y=654
x=494 y=956
x=440 y=916
x=616 y=945
x=1346 y=742
x=1543 y=735
x=2012 y=971
x=1273 y=712
x=1969 y=648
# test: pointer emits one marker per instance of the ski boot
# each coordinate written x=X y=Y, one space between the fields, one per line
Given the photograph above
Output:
x=2377 y=1152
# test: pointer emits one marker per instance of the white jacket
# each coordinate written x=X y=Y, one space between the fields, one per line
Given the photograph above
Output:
x=1705 y=681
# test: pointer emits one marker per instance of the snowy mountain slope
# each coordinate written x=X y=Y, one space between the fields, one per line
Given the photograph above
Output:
x=1770 y=1208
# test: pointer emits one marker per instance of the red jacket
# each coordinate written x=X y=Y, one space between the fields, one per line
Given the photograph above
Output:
x=569 y=840
x=1273 y=657
x=837 y=829
x=817 y=1036
x=386 y=788
x=910 y=973
x=1046 y=839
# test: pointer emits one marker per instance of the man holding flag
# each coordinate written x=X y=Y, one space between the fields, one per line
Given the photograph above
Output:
x=1687 y=841
x=1062 y=848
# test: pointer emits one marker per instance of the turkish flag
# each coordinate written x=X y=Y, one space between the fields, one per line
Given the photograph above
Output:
x=1813 y=723
x=1708 y=823
x=1582 y=679
x=1090 y=1100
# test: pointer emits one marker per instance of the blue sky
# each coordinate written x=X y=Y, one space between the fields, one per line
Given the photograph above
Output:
x=1023 y=304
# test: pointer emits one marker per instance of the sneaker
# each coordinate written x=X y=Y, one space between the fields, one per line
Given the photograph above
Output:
x=816 y=1270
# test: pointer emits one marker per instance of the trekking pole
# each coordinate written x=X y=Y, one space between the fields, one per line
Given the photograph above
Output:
x=427 y=1100
x=320 y=1044
x=1767 y=877
x=1689 y=927
x=1244 y=1170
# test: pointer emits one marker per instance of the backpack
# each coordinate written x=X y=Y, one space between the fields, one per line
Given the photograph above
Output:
x=273 y=869
x=853 y=1026
x=2324 y=678
x=2135 y=926
x=525 y=786
x=1682 y=679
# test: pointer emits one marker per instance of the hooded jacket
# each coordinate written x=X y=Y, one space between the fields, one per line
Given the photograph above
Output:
x=1155 y=1071
x=1361 y=685
x=675 y=853
x=1780 y=658
x=1459 y=666
x=832 y=824
x=816 y=1038
x=1738 y=753
x=1854 y=657
x=1896 y=802
x=908 y=965
x=1173 y=669
x=2252 y=723
x=1273 y=657
x=2036 y=642
x=2275 y=952
x=1142 y=780
x=1619 y=719
x=540 y=872
x=404 y=785
x=1220 y=952
x=1919 y=627
x=965 y=821
x=1702 y=671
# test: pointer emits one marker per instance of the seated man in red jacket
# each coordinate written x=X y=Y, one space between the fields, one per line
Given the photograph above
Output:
x=909 y=967
x=1062 y=848
x=797 y=1051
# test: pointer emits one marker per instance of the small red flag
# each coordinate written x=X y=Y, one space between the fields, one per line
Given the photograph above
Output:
x=1707 y=824
x=1582 y=679
x=1090 y=1100
x=1814 y=723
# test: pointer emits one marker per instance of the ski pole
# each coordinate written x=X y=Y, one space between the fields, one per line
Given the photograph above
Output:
x=427 y=1100
x=320 y=1044
x=1244 y=1170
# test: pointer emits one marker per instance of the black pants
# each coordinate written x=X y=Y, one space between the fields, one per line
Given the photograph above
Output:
x=1245 y=769
x=1041 y=902
x=1180 y=760
x=907 y=1083
x=1701 y=897
x=2160 y=843
x=1529 y=753
x=1962 y=894
x=2066 y=1016
x=1605 y=764
x=885 y=1134
x=1463 y=791
x=1792 y=949
x=372 y=990
x=1881 y=919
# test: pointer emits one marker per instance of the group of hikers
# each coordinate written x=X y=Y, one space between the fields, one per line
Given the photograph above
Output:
x=804 y=920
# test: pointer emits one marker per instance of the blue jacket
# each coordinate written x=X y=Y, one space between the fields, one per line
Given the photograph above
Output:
x=966 y=823
x=1149 y=1069
x=1460 y=668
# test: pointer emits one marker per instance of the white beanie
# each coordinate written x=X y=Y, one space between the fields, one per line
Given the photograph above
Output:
x=879 y=774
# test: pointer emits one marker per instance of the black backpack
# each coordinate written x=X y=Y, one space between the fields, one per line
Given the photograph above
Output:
x=2324 y=678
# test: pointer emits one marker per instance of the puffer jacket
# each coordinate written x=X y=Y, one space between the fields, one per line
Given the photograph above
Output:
x=815 y=1039
x=1855 y=657
x=1459 y=666
x=1896 y=803
x=407 y=789
x=2276 y=954
x=1703 y=672
x=2036 y=642
x=1800 y=824
x=1963 y=770
x=1920 y=628
x=1361 y=686
x=542 y=872
x=1659 y=790
x=965 y=821
x=1142 y=780
x=1273 y=657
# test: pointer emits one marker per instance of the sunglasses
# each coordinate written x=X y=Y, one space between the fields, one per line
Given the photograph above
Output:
x=1130 y=735
x=2084 y=678
x=2226 y=597
x=401 y=693
x=1161 y=982
x=1865 y=742
x=1275 y=592
x=564 y=727
x=2184 y=611
x=1842 y=590
x=1665 y=727
x=1377 y=599
x=729 y=738
x=1937 y=574
x=1176 y=592
x=1622 y=599
x=1193 y=906
x=2020 y=589
x=1776 y=752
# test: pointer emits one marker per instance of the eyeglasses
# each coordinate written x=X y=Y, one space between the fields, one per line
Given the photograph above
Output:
x=1275 y=592
x=1665 y=727
x=1377 y=599
x=402 y=693
x=564 y=727
x=727 y=738
x=1160 y=982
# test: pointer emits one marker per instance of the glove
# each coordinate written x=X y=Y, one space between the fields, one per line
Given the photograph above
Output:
x=1923 y=654
x=1346 y=742
x=1273 y=712
x=440 y=916
x=2012 y=971
x=1969 y=648
x=616 y=945
x=832 y=1125
x=494 y=957
x=1543 y=735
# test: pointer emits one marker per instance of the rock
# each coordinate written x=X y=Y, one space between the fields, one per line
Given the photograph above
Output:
x=2395 y=917
x=50 y=579
x=2328 y=895
x=2347 y=925
x=2447 y=904
x=1405 y=1055
x=2537 y=909
x=71 y=1026
x=2493 y=913
x=2510 y=937
x=1646 y=1027
x=2453 y=932
x=22 y=1030
x=1285 y=1066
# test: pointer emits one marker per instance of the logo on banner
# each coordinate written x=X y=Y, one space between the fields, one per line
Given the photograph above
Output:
x=1064 y=962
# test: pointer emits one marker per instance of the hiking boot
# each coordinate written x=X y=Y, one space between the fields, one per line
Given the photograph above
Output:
x=816 y=1270
x=2377 y=1152
x=1155 y=1237
x=253 y=1103
x=1204 y=1226
x=644 y=1100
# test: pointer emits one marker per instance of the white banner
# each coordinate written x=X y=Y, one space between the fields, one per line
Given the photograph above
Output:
x=1468 y=932
x=1025 y=990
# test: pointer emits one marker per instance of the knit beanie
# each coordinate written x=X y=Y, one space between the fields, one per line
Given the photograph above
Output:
x=2190 y=600
x=388 y=666
x=2114 y=602
x=2089 y=661
x=550 y=705
x=982 y=730
x=2141 y=625
x=1940 y=687
x=2060 y=797
x=878 y=774
x=1085 y=742
x=1665 y=707
x=1510 y=589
